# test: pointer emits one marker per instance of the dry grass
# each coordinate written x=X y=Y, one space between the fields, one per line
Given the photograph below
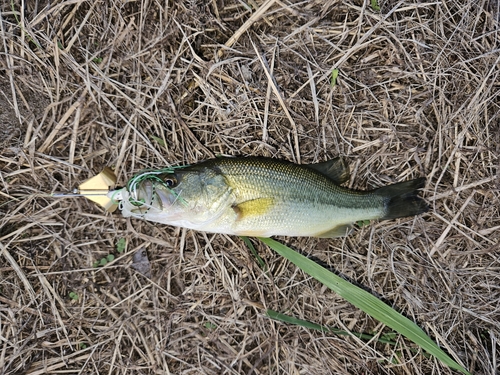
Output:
x=85 y=84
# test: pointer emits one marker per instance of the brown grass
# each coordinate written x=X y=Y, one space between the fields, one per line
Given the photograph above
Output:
x=86 y=84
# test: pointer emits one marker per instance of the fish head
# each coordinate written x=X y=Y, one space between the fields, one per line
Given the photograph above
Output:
x=176 y=196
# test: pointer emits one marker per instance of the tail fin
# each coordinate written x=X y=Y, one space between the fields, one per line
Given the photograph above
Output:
x=402 y=199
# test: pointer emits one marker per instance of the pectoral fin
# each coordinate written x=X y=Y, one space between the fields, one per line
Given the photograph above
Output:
x=254 y=207
x=339 y=231
x=335 y=169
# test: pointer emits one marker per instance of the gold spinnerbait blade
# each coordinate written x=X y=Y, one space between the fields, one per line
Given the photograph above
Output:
x=98 y=189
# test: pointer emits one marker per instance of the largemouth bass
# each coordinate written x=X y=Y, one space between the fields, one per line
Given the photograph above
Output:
x=254 y=196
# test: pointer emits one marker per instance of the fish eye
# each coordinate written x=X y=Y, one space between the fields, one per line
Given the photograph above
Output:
x=170 y=181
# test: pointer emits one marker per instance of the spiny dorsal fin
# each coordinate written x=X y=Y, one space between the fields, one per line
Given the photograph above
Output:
x=335 y=169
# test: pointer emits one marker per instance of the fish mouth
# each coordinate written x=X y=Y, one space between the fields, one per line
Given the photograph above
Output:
x=143 y=189
x=149 y=195
x=165 y=198
x=152 y=195
x=139 y=200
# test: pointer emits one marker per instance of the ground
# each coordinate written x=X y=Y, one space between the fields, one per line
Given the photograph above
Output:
x=148 y=84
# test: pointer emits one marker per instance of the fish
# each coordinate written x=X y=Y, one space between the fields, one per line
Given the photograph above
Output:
x=264 y=197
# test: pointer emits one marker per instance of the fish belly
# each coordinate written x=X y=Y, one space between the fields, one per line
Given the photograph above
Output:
x=290 y=220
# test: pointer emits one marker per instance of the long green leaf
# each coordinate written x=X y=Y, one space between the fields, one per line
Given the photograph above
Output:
x=309 y=325
x=261 y=262
x=365 y=301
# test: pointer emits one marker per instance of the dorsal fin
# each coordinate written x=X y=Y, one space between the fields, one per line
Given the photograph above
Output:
x=335 y=169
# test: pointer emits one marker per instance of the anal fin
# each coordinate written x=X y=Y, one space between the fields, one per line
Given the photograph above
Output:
x=338 y=231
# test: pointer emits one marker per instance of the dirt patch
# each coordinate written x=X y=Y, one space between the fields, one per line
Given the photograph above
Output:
x=18 y=107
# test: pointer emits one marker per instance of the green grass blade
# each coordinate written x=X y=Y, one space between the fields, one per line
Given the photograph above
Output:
x=375 y=6
x=261 y=262
x=158 y=140
x=333 y=78
x=318 y=327
x=365 y=301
